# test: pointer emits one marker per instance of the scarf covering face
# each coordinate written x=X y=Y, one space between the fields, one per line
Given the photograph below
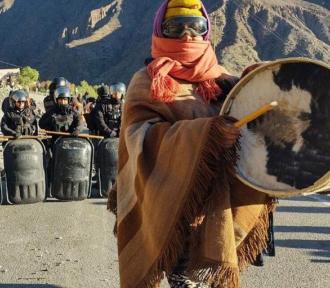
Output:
x=193 y=61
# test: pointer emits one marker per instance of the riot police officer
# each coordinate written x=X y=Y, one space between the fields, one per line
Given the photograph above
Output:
x=6 y=103
x=19 y=118
x=107 y=112
x=49 y=101
x=88 y=109
x=61 y=117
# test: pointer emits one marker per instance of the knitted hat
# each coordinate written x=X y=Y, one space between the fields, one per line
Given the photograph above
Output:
x=183 y=8
x=160 y=16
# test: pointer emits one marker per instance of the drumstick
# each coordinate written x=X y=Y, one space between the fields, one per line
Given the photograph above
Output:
x=254 y=115
x=68 y=134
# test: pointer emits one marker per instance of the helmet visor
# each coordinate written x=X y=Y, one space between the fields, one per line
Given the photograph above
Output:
x=62 y=92
x=176 y=27
x=118 y=87
x=19 y=96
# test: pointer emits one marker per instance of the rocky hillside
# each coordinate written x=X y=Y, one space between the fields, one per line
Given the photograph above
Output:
x=107 y=40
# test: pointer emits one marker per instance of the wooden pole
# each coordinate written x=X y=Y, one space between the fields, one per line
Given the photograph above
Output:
x=40 y=137
x=69 y=134
x=254 y=115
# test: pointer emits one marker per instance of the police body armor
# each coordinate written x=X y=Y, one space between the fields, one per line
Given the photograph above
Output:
x=5 y=106
x=62 y=122
x=112 y=115
x=24 y=122
x=49 y=103
x=107 y=158
x=71 y=169
x=24 y=162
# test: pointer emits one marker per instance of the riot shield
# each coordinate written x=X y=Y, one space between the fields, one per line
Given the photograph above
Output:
x=24 y=162
x=107 y=158
x=71 y=169
x=2 y=190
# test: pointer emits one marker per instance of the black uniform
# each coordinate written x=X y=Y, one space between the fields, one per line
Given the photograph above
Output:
x=89 y=107
x=61 y=119
x=19 y=122
x=106 y=117
x=49 y=103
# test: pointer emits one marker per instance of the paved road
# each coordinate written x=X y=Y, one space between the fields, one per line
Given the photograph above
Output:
x=56 y=244
x=302 y=234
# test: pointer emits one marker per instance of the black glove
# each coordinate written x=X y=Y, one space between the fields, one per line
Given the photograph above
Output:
x=18 y=134
x=27 y=131
x=114 y=133
x=75 y=133
x=110 y=133
x=226 y=84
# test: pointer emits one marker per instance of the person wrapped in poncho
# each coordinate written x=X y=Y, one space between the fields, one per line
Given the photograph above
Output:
x=180 y=211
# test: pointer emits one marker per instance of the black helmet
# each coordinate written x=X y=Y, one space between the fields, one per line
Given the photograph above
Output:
x=18 y=95
x=90 y=99
x=62 y=92
x=58 y=82
x=118 y=87
x=103 y=91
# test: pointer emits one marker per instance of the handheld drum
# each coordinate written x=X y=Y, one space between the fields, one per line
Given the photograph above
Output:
x=286 y=151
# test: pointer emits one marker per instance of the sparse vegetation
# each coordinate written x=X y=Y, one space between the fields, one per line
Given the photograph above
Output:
x=28 y=76
x=85 y=87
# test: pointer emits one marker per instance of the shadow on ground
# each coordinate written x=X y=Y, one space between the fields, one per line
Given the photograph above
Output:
x=100 y=203
x=303 y=199
x=320 y=248
x=28 y=286
x=303 y=209
x=302 y=229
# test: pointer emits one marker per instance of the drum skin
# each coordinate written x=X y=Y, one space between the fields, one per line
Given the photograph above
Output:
x=24 y=162
x=286 y=151
x=107 y=158
x=71 y=169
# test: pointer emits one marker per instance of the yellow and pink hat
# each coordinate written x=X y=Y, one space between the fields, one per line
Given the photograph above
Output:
x=183 y=8
x=173 y=8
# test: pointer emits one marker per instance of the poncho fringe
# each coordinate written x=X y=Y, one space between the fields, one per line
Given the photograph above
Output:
x=199 y=188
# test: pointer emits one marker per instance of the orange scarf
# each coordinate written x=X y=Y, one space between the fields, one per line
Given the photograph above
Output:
x=193 y=61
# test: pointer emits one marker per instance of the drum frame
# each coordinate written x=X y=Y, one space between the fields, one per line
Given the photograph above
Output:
x=319 y=186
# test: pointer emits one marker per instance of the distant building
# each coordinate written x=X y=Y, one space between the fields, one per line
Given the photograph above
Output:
x=7 y=75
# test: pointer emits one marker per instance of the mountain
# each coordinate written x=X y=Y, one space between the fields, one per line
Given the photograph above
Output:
x=107 y=41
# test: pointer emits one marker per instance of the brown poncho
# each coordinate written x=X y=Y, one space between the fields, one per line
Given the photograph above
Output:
x=172 y=184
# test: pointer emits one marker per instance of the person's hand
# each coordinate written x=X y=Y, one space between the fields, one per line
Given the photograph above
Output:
x=229 y=132
x=113 y=134
x=18 y=134
x=75 y=133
